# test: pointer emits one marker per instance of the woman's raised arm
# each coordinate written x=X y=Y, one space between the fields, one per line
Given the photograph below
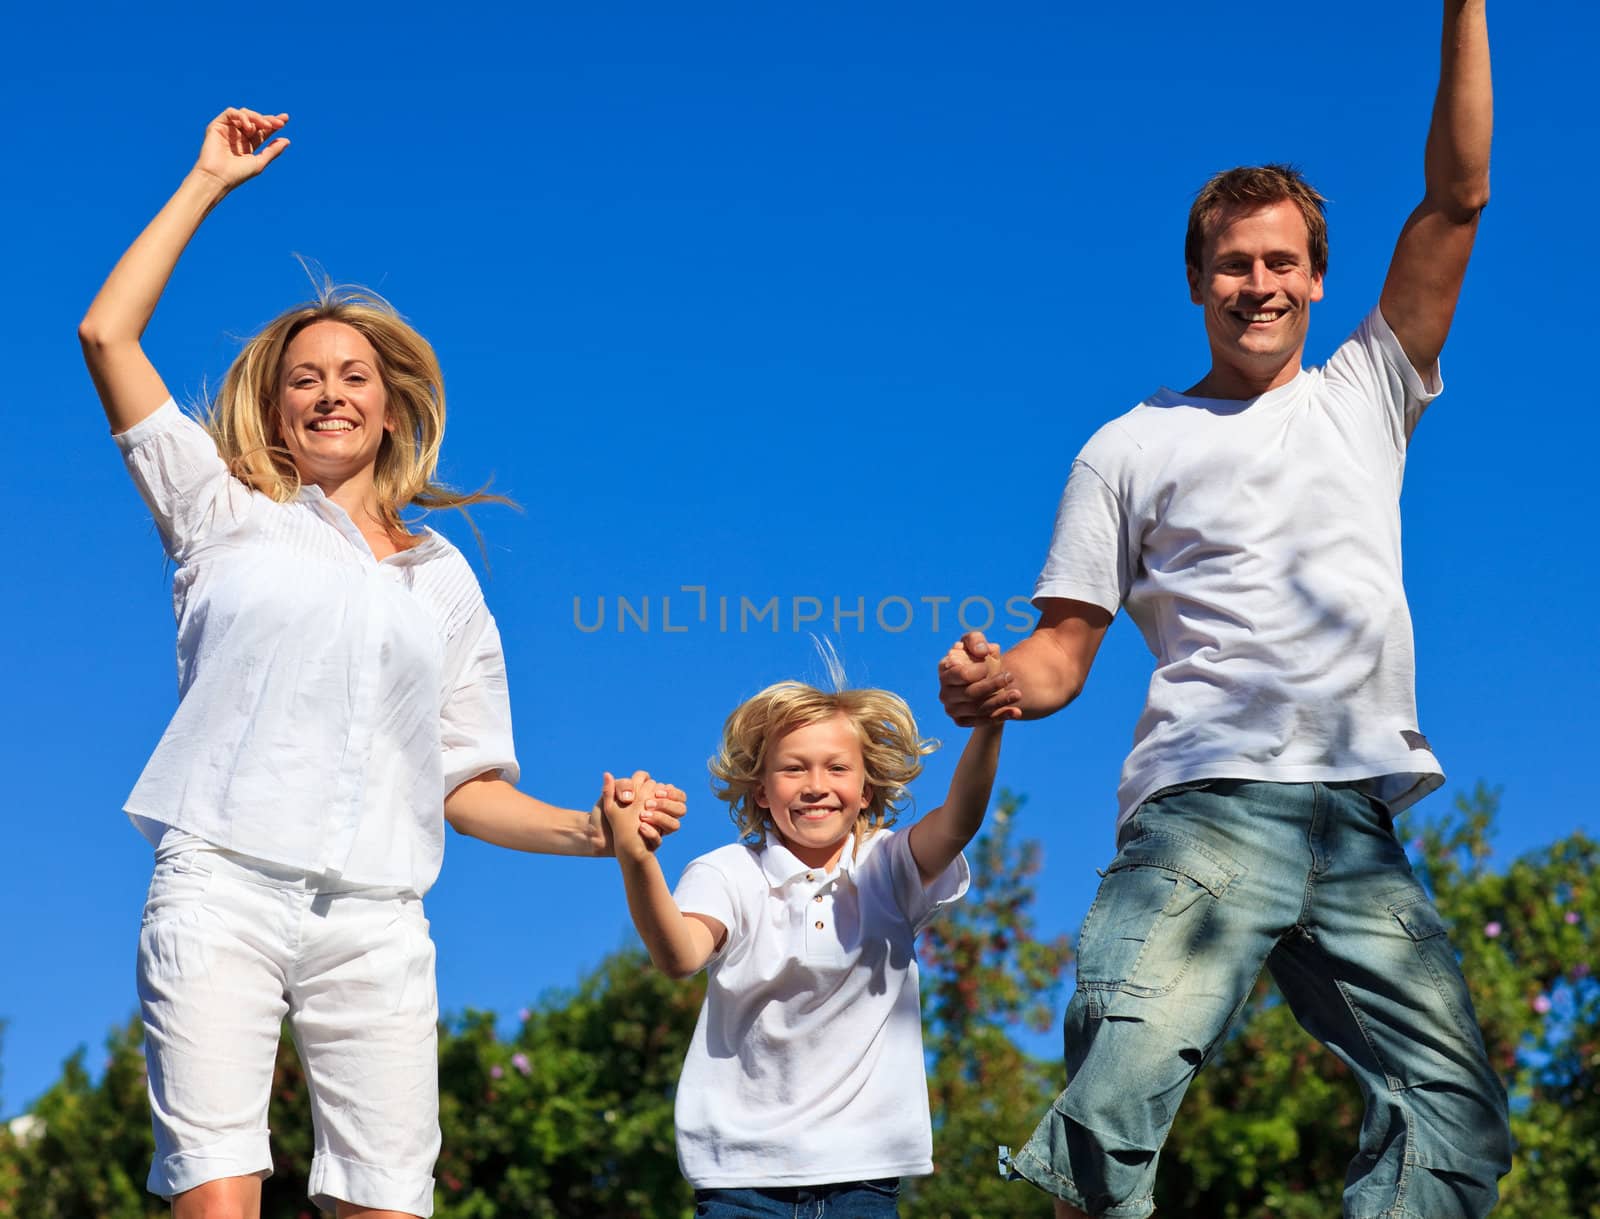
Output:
x=235 y=149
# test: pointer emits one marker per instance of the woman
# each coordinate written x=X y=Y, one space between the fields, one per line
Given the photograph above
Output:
x=341 y=685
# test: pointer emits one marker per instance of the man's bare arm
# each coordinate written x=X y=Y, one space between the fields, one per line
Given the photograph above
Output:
x=1430 y=259
x=1038 y=677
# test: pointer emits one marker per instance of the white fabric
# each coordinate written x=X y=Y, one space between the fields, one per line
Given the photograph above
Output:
x=229 y=946
x=806 y=1064
x=328 y=701
x=1257 y=546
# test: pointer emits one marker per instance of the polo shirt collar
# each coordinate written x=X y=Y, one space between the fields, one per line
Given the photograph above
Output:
x=781 y=866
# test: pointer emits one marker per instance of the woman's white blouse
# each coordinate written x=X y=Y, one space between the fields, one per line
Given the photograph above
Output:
x=328 y=700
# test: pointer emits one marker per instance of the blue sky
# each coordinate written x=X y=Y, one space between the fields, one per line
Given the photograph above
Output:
x=797 y=302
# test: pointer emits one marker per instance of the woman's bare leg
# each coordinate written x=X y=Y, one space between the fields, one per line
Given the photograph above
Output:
x=224 y=1198
x=347 y=1210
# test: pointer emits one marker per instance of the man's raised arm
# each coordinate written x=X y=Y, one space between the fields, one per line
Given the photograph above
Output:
x=1430 y=259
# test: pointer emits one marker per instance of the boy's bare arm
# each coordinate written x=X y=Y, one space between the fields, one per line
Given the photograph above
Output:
x=679 y=944
x=942 y=834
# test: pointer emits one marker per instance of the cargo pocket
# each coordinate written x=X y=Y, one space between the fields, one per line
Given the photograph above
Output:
x=1151 y=914
x=1426 y=930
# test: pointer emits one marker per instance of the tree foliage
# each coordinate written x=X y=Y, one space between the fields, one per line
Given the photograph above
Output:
x=1270 y=1124
x=984 y=973
x=572 y=1114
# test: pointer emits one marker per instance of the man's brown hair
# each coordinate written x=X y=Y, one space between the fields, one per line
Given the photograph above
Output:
x=1251 y=187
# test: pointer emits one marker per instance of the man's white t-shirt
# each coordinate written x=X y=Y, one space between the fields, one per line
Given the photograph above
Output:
x=1256 y=544
x=806 y=1064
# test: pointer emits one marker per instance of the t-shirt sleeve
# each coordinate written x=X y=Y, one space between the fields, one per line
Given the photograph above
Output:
x=183 y=480
x=921 y=903
x=1090 y=557
x=1374 y=365
x=704 y=889
x=475 y=729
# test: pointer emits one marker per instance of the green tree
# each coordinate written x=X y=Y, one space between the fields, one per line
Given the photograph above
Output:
x=1269 y=1125
x=573 y=1117
x=89 y=1150
x=1526 y=939
x=984 y=973
x=91 y=1147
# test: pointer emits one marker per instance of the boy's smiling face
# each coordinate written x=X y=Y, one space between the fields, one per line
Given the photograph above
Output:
x=814 y=786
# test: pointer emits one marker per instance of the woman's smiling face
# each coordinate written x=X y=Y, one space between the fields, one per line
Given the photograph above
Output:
x=332 y=403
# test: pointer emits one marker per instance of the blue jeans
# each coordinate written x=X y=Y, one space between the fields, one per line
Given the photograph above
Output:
x=1212 y=881
x=845 y=1200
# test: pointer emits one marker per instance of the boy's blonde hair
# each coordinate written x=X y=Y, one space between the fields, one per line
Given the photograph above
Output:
x=243 y=416
x=890 y=748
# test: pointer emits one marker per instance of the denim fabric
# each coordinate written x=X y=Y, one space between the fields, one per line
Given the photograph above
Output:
x=845 y=1200
x=1213 y=881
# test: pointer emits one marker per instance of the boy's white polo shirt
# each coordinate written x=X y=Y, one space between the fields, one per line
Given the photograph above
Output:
x=806 y=1065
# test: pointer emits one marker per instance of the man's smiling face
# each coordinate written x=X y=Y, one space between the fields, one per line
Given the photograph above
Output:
x=1256 y=285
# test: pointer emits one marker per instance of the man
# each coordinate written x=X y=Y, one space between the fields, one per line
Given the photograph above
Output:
x=1250 y=526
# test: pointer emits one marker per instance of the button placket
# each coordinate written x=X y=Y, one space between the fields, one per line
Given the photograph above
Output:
x=363 y=722
x=817 y=910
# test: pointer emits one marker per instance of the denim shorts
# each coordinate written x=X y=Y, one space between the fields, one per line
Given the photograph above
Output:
x=1211 y=882
x=231 y=945
x=844 y=1200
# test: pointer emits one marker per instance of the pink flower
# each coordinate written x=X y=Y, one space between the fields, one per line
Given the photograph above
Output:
x=520 y=1061
x=1541 y=1004
x=523 y=1014
x=1492 y=930
x=495 y=1072
x=1572 y=918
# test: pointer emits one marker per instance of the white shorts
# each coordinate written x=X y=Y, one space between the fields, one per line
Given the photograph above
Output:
x=230 y=946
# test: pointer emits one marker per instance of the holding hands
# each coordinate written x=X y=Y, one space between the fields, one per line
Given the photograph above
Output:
x=236 y=145
x=974 y=686
x=635 y=813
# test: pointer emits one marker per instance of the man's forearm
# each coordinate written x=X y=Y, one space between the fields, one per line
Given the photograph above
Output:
x=1047 y=677
x=1456 y=163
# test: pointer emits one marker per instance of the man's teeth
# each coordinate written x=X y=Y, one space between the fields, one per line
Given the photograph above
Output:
x=1262 y=317
x=332 y=425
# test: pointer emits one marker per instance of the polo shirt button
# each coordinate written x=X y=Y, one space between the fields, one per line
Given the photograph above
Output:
x=819 y=924
x=810 y=876
x=818 y=897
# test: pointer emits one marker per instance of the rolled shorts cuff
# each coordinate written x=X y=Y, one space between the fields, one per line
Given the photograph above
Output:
x=1036 y=1171
x=239 y=1155
x=337 y=1179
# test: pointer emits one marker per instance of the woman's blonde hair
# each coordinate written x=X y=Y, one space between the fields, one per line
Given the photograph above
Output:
x=243 y=416
x=890 y=748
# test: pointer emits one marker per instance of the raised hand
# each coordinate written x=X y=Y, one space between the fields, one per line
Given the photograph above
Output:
x=236 y=146
x=974 y=685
